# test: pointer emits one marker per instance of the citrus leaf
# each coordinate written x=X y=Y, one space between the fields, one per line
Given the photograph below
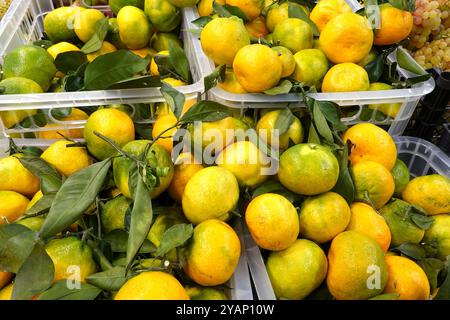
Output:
x=418 y=79
x=284 y=121
x=96 y=41
x=138 y=82
x=444 y=290
x=70 y=61
x=173 y=237
x=174 y=98
x=313 y=137
x=375 y=69
x=386 y=296
x=41 y=206
x=50 y=179
x=405 y=5
x=373 y=13
x=412 y=250
x=321 y=123
x=118 y=240
x=345 y=185
x=206 y=111
x=60 y=291
x=111 y=68
x=16 y=244
x=406 y=62
x=35 y=275
x=218 y=75
x=76 y=194
x=331 y=112
x=432 y=268
x=32 y=151
x=228 y=11
x=141 y=220
x=423 y=222
x=297 y=12
x=275 y=187
x=283 y=87
x=110 y=280
x=60 y=113
x=202 y=21
x=179 y=61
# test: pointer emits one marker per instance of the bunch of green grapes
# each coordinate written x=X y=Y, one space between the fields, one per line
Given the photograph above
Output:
x=435 y=54
x=4 y=5
x=428 y=18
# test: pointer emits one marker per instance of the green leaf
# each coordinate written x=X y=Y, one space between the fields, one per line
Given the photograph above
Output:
x=313 y=137
x=284 y=121
x=406 y=62
x=111 y=68
x=405 y=5
x=35 y=275
x=141 y=220
x=283 y=87
x=345 y=185
x=414 y=80
x=75 y=81
x=164 y=64
x=60 y=291
x=76 y=194
x=331 y=112
x=50 y=179
x=321 y=124
x=386 y=296
x=139 y=82
x=423 y=222
x=175 y=236
x=206 y=111
x=174 y=98
x=16 y=244
x=297 y=12
x=60 y=113
x=96 y=41
x=32 y=151
x=110 y=280
x=70 y=61
x=218 y=75
x=118 y=239
x=375 y=69
x=432 y=268
x=444 y=289
x=228 y=11
x=273 y=186
x=373 y=13
x=202 y=21
x=412 y=250
x=179 y=61
x=41 y=206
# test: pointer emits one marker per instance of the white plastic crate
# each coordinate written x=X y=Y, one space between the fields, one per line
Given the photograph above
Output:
x=240 y=283
x=421 y=157
x=408 y=97
x=25 y=25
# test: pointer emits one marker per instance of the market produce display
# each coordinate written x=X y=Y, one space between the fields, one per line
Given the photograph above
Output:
x=323 y=47
x=161 y=200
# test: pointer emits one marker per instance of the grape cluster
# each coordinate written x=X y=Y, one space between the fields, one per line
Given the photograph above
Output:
x=429 y=40
x=4 y=5
x=434 y=54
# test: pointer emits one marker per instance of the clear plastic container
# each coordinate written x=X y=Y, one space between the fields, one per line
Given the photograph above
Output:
x=408 y=97
x=240 y=283
x=25 y=25
x=421 y=157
